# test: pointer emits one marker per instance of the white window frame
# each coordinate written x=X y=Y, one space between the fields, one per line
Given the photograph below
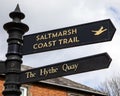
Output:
x=23 y=91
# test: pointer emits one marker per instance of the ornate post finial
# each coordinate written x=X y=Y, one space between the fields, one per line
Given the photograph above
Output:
x=17 y=13
x=17 y=9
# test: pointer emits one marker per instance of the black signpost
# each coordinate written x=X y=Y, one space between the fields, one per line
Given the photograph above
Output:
x=90 y=33
x=15 y=30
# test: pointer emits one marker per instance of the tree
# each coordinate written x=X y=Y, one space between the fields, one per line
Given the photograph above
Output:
x=111 y=87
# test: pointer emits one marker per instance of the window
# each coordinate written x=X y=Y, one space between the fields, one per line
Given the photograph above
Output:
x=24 y=91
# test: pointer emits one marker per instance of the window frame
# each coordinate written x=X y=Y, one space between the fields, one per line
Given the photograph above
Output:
x=24 y=92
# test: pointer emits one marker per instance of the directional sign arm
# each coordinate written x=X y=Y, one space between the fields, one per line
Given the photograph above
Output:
x=73 y=36
x=80 y=65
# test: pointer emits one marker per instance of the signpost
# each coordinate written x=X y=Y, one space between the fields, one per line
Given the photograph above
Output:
x=15 y=30
x=84 y=34
x=80 y=65
x=18 y=46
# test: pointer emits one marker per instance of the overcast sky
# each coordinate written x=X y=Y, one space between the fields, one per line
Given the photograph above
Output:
x=44 y=15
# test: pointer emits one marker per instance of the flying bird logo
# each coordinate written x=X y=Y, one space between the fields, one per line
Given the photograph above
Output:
x=100 y=31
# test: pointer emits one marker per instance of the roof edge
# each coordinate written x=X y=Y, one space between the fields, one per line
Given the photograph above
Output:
x=75 y=89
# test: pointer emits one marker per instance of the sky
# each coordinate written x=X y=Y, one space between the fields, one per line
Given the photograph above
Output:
x=44 y=15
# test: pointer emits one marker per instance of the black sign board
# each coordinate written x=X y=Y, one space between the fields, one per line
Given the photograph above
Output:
x=89 y=33
x=2 y=67
x=85 y=64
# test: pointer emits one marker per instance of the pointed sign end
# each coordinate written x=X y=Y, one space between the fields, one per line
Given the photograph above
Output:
x=112 y=29
x=107 y=59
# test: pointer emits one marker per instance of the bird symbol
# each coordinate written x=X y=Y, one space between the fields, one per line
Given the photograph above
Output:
x=100 y=31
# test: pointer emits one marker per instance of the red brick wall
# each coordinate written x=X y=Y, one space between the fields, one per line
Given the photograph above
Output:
x=1 y=87
x=45 y=91
x=35 y=90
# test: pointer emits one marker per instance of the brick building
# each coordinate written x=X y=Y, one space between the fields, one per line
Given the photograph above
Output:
x=54 y=87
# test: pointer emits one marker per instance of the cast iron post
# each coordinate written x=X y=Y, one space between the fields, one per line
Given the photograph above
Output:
x=15 y=30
